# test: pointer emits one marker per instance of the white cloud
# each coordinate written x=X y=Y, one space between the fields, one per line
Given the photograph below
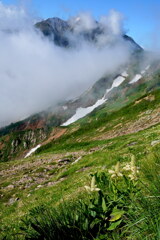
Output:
x=13 y=18
x=113 y=22
x=82 y=22
x=34 y=73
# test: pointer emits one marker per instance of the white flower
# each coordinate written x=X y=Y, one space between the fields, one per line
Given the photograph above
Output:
x=132 y=177
x=116 y=173
x=93 y=186
x=111 y=171
x=133 y=168
x=127 y=167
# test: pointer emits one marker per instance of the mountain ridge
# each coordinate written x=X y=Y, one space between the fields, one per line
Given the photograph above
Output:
x=127 y=80
x=58 y=30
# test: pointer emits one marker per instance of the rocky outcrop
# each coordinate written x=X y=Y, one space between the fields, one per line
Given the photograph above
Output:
x=20 y=142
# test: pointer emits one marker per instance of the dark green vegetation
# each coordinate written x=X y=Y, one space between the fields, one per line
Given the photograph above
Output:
x=116 y=208
x=44 y=196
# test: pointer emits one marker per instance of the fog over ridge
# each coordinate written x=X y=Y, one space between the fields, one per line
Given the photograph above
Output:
x=35 y=73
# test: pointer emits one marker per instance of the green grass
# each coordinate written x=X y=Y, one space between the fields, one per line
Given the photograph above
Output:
x=97 y=155
x=99 y=119
x=77 y=175
x=88 y=216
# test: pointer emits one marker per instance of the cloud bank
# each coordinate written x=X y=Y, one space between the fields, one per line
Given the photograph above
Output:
x=35 y=73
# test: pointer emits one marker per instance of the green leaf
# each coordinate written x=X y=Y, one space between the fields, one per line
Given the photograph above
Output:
x=116 y=214
x=93 y=214
x=94 y=222
x=85 y=225
x=104 y=207
x=114 y=225
x=77 y=217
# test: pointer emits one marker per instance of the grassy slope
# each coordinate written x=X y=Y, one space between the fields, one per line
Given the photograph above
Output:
x=47 y=181
x=12 y=145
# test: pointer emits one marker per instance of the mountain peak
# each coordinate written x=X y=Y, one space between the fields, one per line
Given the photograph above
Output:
x=63 y=32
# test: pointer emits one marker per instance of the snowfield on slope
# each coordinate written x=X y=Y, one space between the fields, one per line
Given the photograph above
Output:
x=32 y=151
x=117 y=81
x=124 y=74
x=82 y=112
x=136 y=78
x=139 y=76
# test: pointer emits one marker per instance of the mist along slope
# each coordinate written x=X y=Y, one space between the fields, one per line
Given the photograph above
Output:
x=131 y=80
x=18 y=138
x=61 y=166
x=109 y=93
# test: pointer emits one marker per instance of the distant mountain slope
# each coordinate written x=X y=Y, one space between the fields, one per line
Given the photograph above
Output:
x=108 y=94
x=129 y=82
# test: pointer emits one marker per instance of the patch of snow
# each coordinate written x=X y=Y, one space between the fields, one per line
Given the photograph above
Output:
x=136 y=78
x=143 y=72
x=65 y=107
x=74 y=99
x=147 y=67
x=124 y=74
x=117 y=81
x=32 y=151
x=82 y=112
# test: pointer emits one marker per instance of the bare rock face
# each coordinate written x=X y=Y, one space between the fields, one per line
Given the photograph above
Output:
x=20 y=141
x=55 y=28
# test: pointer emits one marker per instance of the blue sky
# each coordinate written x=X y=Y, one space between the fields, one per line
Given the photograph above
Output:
x=142 y=18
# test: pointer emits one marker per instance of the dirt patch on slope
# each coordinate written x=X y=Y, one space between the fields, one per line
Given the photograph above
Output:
x=36 y=172
x=146 y=120
x=148 y=98
x=56 y=133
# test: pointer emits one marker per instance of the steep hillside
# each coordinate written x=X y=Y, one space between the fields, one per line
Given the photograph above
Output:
x=62 y=165
x=79 y=121
x=109 y=93
x=110 y=134
x=20 y=137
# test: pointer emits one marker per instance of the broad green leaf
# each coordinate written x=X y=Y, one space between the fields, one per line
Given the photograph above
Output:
x=116 y=214
x=114 y=225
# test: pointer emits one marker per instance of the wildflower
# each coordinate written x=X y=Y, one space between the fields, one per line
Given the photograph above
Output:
x=134 y=169
x=116 y=173
x=131 y=166
x=132 y=177
x=127 y=167
x=132 y=162
x=93 y=186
